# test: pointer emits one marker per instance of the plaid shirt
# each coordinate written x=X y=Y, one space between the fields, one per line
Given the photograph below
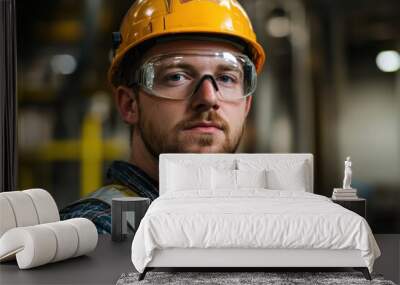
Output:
x=125 y=180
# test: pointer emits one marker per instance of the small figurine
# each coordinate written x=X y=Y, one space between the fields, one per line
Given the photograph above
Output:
x=347 y=174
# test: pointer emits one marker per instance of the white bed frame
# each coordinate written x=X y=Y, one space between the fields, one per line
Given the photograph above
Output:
x=250 y=258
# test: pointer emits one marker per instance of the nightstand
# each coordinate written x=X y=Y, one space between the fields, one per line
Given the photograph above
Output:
x=121 y=210
x=358 y=205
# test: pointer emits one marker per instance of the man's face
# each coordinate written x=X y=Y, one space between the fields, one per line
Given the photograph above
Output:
x=202 y=123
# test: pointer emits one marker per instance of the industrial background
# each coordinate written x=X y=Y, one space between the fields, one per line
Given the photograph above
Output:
x=330 y=86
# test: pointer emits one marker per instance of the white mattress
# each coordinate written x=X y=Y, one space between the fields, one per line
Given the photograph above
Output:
x=252 y=218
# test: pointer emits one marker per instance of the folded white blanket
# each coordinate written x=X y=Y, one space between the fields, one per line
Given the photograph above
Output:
x=252 y=218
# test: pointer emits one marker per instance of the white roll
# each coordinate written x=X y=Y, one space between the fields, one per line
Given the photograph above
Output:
x=67 y=239
x=7 y=217
x=23 y=208
x=45 y=205
x=87 y=235
x=33 y=246
x=40 y=244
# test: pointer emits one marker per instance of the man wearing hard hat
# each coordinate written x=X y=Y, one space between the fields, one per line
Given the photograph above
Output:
x=182 y=75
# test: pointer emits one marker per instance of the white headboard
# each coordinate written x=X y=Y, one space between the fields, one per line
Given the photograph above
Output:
x=213 y=158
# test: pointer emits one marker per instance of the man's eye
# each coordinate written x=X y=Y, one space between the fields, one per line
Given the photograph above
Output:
x=177 y=77
x=174 y=79
x=227 y=79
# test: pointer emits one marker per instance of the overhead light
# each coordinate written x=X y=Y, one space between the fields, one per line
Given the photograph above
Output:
x=63 y=64
x=388 y=61
x=278 y=26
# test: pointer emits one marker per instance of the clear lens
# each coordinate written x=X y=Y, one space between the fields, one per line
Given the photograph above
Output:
x=177 y=76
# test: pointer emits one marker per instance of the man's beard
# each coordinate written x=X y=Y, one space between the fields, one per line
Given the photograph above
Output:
x=156 y=142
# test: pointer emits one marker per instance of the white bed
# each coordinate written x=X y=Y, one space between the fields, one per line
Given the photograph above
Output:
x=209 y=222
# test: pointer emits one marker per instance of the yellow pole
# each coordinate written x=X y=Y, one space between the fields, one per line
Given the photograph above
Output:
x=91 y=154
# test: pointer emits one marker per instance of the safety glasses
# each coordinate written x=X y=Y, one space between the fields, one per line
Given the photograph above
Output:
x=179 y=76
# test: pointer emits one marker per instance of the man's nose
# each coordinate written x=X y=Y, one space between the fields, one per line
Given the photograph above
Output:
x=206 y=94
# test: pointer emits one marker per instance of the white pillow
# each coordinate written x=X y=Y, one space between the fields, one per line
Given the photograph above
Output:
x=251 y=178
x=282 y=174
x=291 y=179
x=181 y=178
x=223 y=179
x=234 y=179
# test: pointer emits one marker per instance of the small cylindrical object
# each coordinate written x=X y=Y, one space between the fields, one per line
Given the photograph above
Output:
x=120 y=208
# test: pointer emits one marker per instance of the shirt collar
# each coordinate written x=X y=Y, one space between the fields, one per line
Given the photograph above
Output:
x=134 y=178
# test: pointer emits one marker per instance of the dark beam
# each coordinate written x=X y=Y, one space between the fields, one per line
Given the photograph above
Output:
x=8 y=97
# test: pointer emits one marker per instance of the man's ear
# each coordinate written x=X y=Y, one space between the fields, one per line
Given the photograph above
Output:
x=127 y=104
x=249 y=99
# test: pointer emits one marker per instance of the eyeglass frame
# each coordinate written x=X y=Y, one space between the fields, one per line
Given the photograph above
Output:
x=139 y=74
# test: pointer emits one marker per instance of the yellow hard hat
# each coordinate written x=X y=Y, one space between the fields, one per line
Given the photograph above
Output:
x=150 y=19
